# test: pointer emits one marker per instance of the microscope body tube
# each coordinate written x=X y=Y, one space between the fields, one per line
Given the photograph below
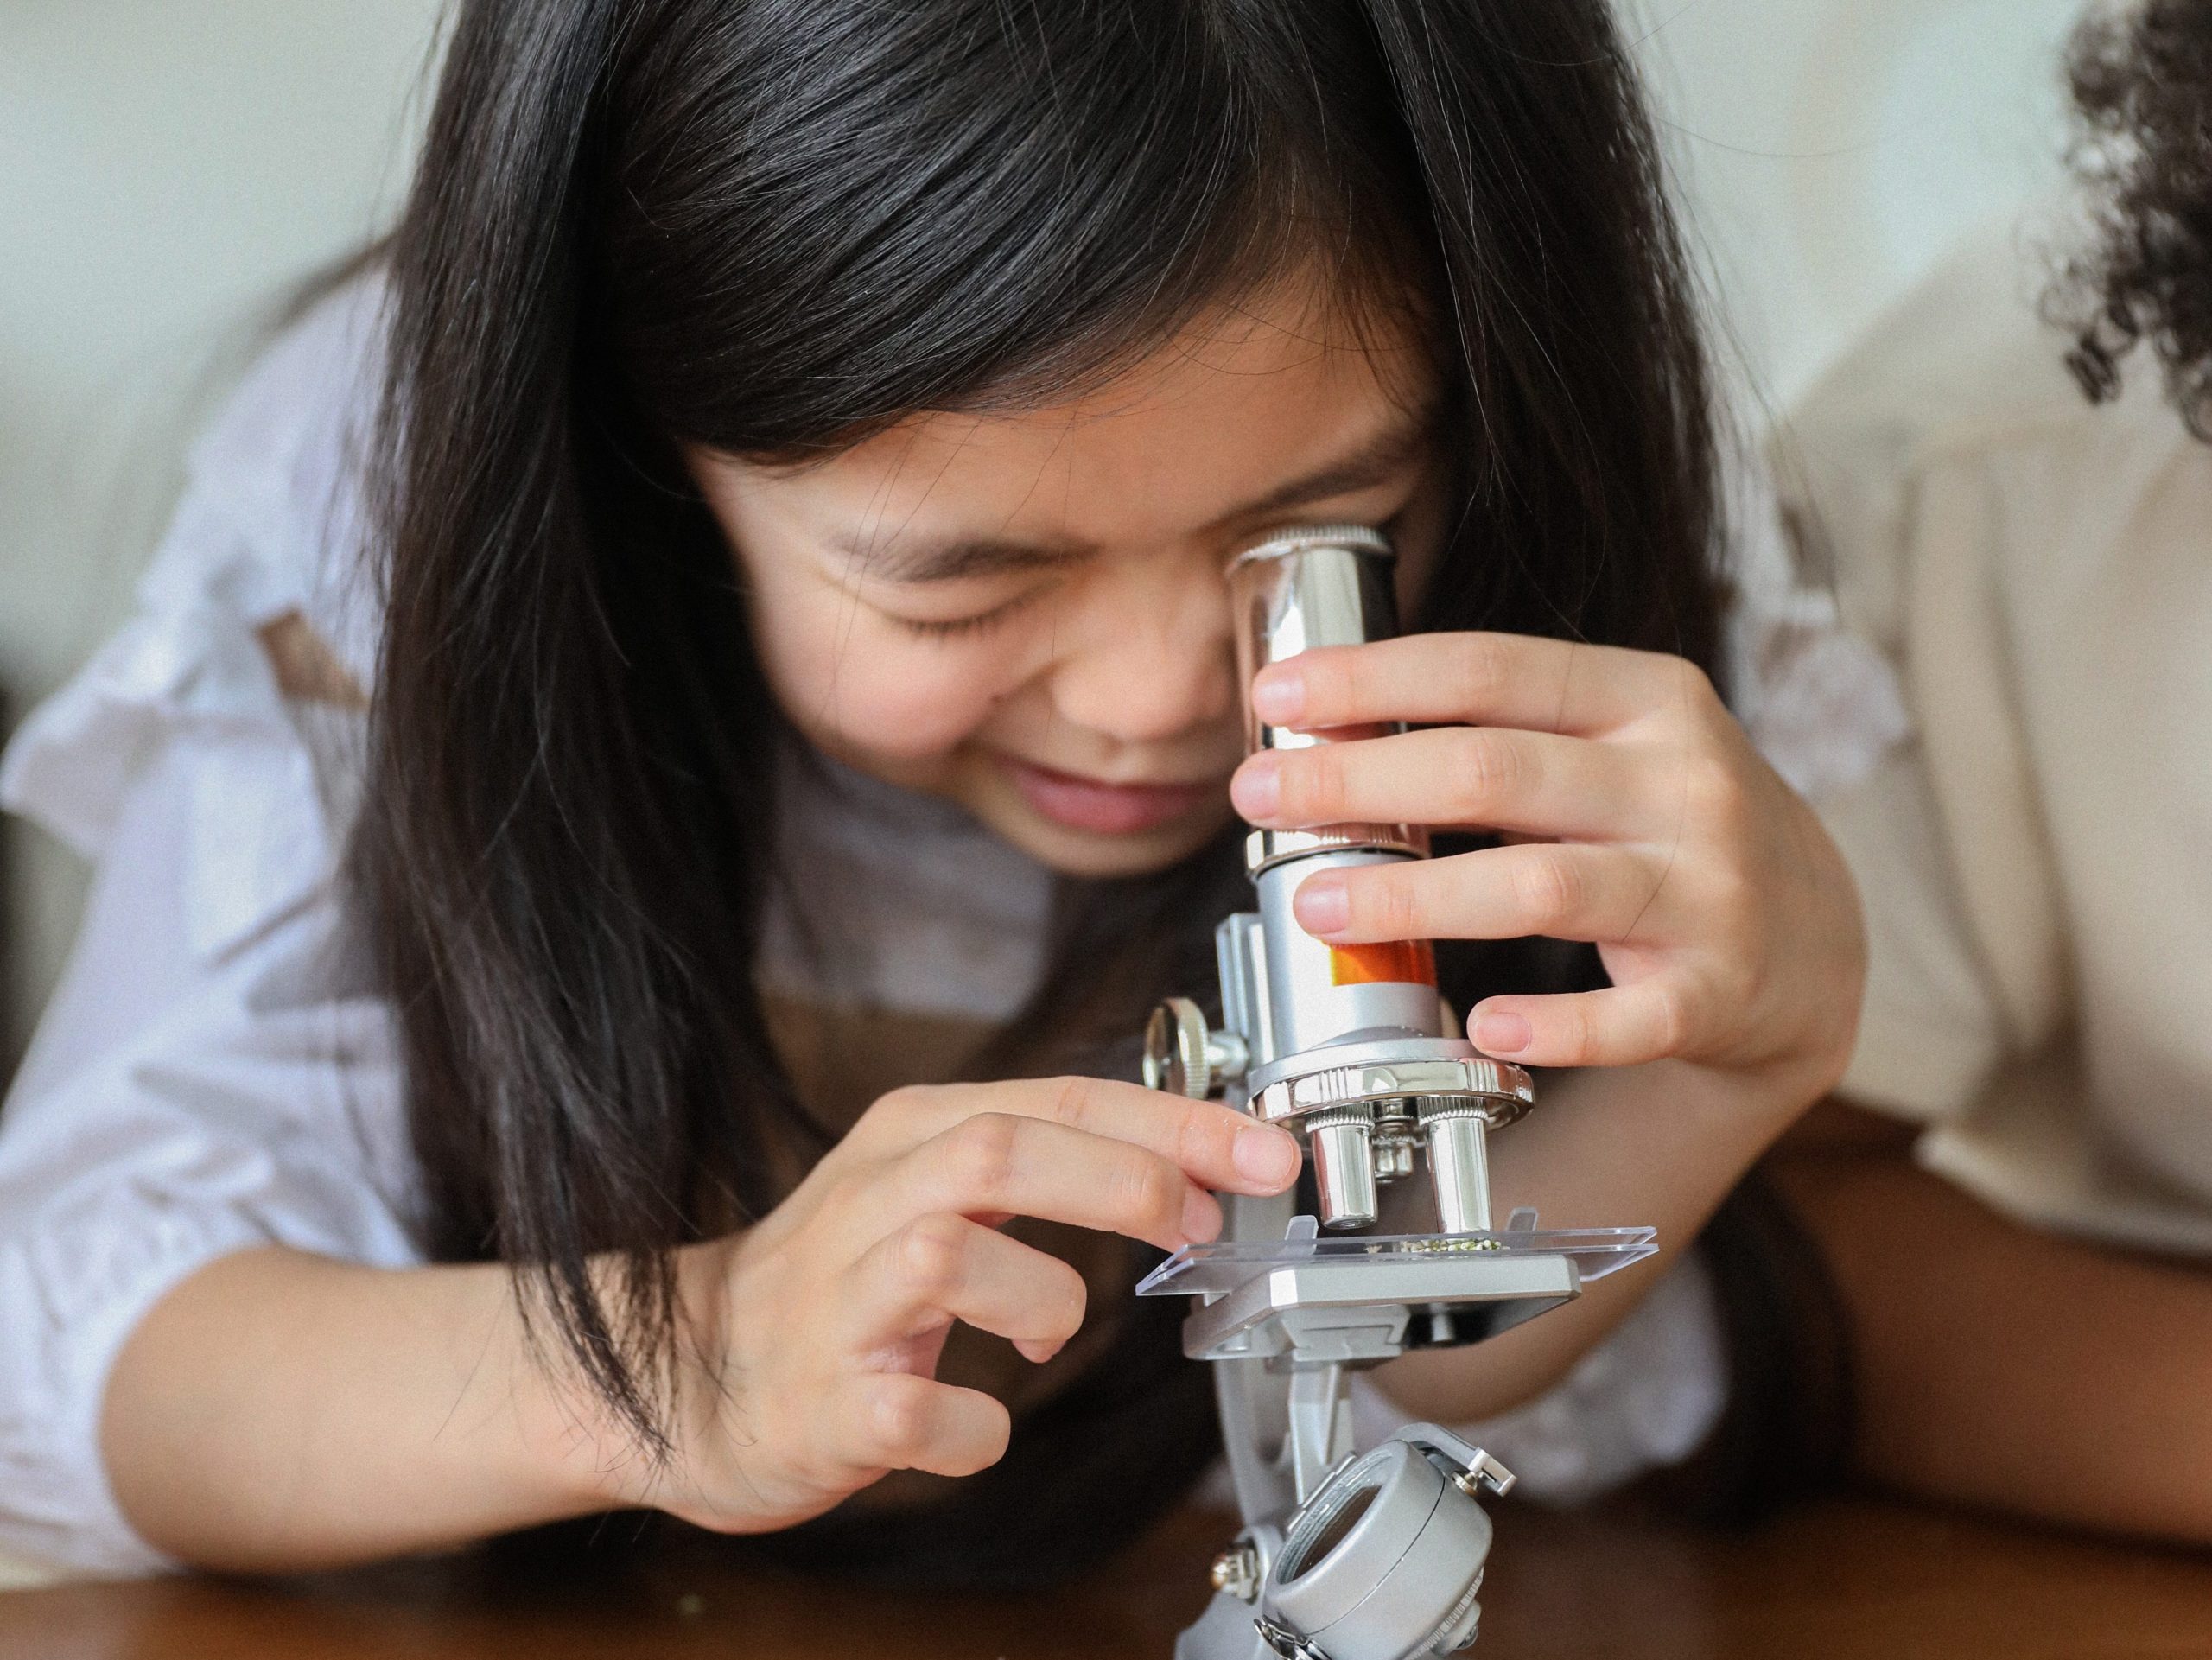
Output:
x=1316 y=992
x=1318 y=995
x=1307 y=589
x=1310 y=588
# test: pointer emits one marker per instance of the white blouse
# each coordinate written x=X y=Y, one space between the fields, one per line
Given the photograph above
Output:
x=217 y=1070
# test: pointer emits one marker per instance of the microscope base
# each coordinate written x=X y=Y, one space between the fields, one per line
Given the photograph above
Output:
x=1329 y=1531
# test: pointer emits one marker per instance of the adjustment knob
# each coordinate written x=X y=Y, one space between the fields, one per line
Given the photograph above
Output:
x=1183 y=1056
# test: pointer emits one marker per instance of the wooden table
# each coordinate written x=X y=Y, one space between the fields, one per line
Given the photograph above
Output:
x=1853 y=1578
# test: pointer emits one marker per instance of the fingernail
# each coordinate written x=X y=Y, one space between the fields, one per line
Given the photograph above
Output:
x=1279 y=696
x=1265 y=1156
x=1500 y=1034
x=1257 y=787
x=1321 y=906
x=1201 y=1217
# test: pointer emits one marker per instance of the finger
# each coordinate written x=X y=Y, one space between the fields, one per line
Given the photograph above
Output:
x=896 y=1420
x=1559 y=890
x=1216 y=1146
x=1622 y=1026
x=941 y=1266
x=999 y=1164
x=1491 y=778
x=1481 y=679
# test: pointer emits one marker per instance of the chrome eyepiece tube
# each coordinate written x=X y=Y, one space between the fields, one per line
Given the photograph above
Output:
x=1300 y=589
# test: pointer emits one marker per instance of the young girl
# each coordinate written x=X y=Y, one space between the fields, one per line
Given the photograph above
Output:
x=720 y=623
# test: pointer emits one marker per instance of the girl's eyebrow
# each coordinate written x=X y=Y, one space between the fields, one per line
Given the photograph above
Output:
x=959 y=557
x=1377 y=462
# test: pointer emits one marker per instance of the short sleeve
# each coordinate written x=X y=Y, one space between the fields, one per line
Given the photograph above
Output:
x=1930 y=1032
x=1944 y=838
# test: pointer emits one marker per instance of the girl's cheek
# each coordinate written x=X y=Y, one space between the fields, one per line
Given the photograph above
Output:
x=913 y=709
x=882 y=689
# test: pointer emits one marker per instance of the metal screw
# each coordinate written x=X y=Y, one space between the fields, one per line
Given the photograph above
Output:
x=1395 y=1138
x=1184 y=1056
x=1284 y=1643
x=1237 y=1573
x=1485 y=1474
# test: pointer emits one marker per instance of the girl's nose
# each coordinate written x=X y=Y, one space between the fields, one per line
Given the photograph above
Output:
x=1150 y=665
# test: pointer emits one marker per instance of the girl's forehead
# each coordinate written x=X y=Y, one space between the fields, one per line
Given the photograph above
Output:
x=1241 y=404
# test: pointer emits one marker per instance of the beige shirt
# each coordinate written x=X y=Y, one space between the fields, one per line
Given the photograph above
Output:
x=2036 y=863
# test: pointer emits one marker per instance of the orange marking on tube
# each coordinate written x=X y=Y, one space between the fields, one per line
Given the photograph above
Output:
x=1402 y=962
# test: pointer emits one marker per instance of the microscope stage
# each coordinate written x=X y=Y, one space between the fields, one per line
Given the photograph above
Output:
x=1361 y=1299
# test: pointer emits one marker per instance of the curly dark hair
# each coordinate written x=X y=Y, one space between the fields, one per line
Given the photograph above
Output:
x=2142 y=88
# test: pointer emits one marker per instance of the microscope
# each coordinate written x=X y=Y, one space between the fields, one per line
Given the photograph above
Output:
x=1374 y=1555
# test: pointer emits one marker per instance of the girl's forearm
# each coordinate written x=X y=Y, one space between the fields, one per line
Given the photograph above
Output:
x=1660 y=1145
x=281 y=1412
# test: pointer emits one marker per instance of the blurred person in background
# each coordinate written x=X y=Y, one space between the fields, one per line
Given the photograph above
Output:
x=2020 y=512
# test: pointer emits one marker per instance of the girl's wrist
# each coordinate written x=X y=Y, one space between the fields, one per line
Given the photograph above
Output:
x=586 y=1455
x=566 y=1450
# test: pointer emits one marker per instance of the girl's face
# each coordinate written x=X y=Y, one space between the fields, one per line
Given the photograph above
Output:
x=1024 y=613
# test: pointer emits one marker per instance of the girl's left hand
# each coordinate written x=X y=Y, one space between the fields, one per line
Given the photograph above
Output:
x=1637 y=816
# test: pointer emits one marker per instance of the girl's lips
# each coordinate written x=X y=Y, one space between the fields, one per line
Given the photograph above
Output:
x=1086 y=803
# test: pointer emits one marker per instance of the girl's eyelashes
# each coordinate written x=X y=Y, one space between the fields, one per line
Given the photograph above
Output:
x=960 y=627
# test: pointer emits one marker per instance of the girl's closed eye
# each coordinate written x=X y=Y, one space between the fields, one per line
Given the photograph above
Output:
x=983 y=621
x=979 y=622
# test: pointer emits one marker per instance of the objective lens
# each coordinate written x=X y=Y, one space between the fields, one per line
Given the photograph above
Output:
x=1343 y=1166
x=1458 y=1161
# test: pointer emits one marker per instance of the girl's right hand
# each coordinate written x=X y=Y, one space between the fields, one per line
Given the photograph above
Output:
x=808 y=1370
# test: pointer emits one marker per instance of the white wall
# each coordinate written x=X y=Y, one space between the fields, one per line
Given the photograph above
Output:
x=1831 y=149
x=166 y=166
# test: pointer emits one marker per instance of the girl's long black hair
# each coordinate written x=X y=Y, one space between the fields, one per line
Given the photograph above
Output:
x=771 y=227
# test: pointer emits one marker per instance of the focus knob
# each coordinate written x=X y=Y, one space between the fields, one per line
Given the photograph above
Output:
x=1184 y=1057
